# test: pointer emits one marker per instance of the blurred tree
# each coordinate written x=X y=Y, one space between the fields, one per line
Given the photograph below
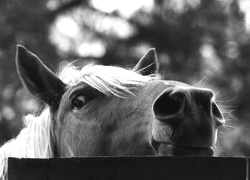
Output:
x=195 y=40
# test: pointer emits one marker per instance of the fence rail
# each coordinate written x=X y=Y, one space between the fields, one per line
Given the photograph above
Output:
x=129 y=168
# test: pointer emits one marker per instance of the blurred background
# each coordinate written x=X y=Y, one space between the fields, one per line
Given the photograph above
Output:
x=198 y=42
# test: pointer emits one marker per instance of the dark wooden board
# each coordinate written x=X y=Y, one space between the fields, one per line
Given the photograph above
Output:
x=128 y=168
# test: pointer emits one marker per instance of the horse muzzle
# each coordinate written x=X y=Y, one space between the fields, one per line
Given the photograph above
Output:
x=186 y=122
x=168 y=149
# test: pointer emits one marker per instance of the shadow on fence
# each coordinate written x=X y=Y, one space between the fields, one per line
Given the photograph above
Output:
x=129 y=168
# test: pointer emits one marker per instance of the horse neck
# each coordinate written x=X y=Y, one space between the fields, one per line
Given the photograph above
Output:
x=34 y=141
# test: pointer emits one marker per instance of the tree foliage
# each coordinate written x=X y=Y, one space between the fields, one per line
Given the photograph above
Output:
x=204 y=42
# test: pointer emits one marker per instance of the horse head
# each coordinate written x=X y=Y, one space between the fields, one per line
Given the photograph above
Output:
x=111 y=111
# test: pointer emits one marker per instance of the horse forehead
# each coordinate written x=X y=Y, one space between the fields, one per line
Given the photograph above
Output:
x=189 y=90
x=177 y=84
x=165 y=84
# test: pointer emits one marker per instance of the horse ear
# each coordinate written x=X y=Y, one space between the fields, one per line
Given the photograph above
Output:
x=37 y=78
x=148 y=64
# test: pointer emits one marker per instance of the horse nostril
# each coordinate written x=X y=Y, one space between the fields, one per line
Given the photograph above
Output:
x=219 y=119
x=168 y=104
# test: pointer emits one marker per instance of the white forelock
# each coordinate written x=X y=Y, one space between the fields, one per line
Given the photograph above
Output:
x=110 y=80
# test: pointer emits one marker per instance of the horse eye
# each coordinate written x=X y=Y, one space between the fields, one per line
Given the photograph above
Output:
x=78 y=102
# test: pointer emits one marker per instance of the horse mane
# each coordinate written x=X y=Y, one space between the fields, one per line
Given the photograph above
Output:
x=110 y=80
x=36 y=139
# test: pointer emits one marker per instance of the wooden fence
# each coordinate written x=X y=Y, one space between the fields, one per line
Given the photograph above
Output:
x=129 y=168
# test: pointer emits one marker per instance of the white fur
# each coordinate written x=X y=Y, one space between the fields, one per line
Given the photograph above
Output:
x=109 y=80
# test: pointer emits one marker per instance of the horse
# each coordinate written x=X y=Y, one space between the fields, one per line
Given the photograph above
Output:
x=99 y=110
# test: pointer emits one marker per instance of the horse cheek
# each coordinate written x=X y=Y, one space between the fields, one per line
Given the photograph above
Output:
x=127 y=128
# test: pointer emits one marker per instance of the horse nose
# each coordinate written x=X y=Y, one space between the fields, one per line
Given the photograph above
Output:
x=168 y=104
x=171 y=103
x=205 y=97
